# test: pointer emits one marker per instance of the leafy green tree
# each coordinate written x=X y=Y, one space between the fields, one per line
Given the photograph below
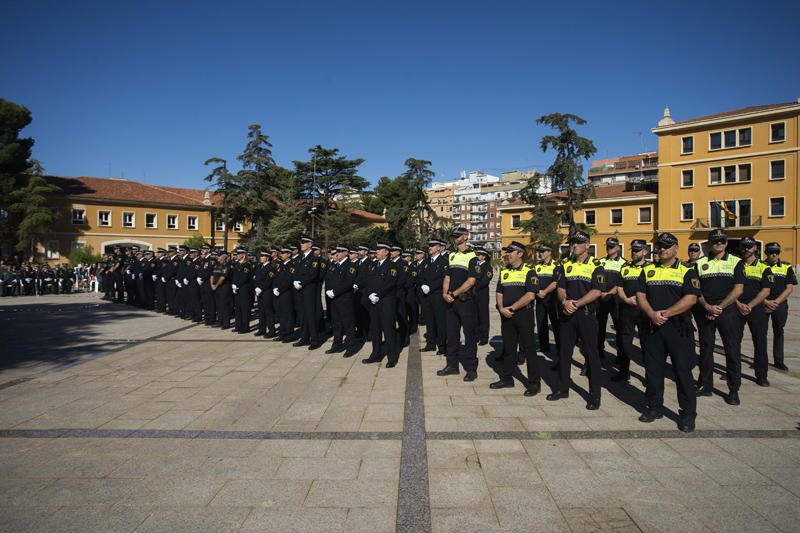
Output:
x=29 y=204
x=83 y=255
x=419 y=176
x=195 y=241
x=565 y=175
x=15 y=153
x=289 y=222
x=223 y=183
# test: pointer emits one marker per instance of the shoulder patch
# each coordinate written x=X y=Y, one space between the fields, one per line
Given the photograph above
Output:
x=489 y=274
x=651 y=273
x=771 y=278
x=314 y=264
x=597 y=262
x=601 y=278
x=695 y=283
x=569 y=269
x=705 y=266
x=352 y=270
x=477 y=269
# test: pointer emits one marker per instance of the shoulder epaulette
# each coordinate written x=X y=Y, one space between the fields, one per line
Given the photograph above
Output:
x=597 y=262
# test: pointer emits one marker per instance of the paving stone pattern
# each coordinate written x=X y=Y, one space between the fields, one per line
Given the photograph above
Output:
x=115 y=419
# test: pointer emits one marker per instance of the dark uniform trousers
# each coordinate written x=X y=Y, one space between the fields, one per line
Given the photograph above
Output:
x=382 y=329
x=546 y=312
x=462 y=315
x=223 y=302
x=758 y=323
x=343 y=320
x=160 y=295
x=172 y=296
x=412 y=308
x=309 y=295
x=401 y=315
x=606 y=308
x=516 y=331
x=436 y=321
x=285 y=305
x=729 y=325
x=208 y=303
x=582 y=324
x=193 y=311
x=482 y=310
x=778 y=317
x=243 y=303
x=629 y=317
x=676 y=340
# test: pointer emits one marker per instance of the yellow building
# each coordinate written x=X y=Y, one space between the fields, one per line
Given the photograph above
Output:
x=625 y=211
x=736 y=170
x=441 y=197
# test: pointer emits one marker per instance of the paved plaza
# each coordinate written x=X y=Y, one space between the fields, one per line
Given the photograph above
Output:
x=119 y=419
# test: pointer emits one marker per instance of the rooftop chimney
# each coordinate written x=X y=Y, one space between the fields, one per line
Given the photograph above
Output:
x=667 y=120
x=206 y=199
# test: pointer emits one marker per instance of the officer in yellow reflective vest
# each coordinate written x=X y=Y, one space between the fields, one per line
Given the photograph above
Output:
x=666 y=292
x=776 y=302
x=758 y=283
x=458 y=293
x=722 y=281
x=516 y=291
x=629 y=312
x=546 y=299
x=580 y=280
x=607 y=305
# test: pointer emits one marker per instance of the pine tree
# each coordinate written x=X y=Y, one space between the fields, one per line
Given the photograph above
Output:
x=30 y=206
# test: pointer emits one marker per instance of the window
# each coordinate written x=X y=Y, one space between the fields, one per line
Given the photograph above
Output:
x=714 y=176
x=128 y=220
x=776 y=206
x=593 y=250
x=191 y=222
x=744 y=172
x=687 y=178
x=172 y=221
x=687 y=211
x=589 y=217
x=645 y=215
x=777 y=132
x=515 y=221
x=745 y=137
x=104 y=218
x=730 y=174
x=616 y=216
x=564 y=219
x=777 y=169
x=730 y=213
x=150 y=220
x=687 y=145
x=715 y=141
x=730 y=138
x=51 y=250
x=79 y=216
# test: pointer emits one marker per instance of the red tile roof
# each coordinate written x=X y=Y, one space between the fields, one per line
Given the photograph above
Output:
x=360 y=213
x=118 y=189
x=740 y=111
x=608 y=191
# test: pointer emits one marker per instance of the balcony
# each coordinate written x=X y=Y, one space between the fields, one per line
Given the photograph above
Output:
x=723 y=222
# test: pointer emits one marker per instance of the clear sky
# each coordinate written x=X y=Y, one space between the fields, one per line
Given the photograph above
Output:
x=152 y=89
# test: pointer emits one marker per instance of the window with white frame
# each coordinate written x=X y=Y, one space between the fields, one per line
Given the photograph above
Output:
x=777 y=132
x=172 y=221
x=687 y=145
x=78 y=216
x=687 y=211
x=151 y=220
x=777 y=169
x=237 y=227
x=734 y=138
x=616 y=216
x=730 y=174
x=687 y=178
x=219 y=224
x=645 y=215
x=589 y=217
x=191 y=222
x=777 y=207
x=128 y=220
x=564 y=222
x=51 y=250
x=104 y=218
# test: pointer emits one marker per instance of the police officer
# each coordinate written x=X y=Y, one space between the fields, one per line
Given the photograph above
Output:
x=758 y=283
x=380 y=289
x=722 y=282
x=629 y=312
x=361 y=302
x=431 y=286
x=694 y=254
x=160 y=288
x=220 y=282
x=169 y=277
x=306 y=280
x=339 y=282
x=516 y=292
x=666 y=292
x=482 y=295
x=206 y=294
x=240 y=284
x=191 y=286
x=400 y=295
x=546 y=302
x=262 y=283
x=458 y=294
x=581 y=281
x=284 y=298
x=412 y=303
x=147 y=269
x=607 y=305
x=777 y=305
x=419 y=266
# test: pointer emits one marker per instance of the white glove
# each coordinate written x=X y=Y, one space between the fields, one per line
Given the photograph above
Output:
x=155 y=277
x=163 y=279
x=297 y=285
x=355 y=287
x=199 y=281
x=234 y=287
x=185 y=281
x=425 y=289
x=374 y=298
x=178 y=283
x=276 y=292
x=330 y=294
x=258 y=291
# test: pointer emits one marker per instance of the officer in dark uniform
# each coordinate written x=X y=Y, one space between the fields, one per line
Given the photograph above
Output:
x=240 y=283
x=777 y=302
x=482 y=295
x=283 y=291
x=139 y=271
x=419 y=266
x=128 y=272
x=220 y=282
x=722 y=282
x=297 y=295
x=458 y=293
x=412 y=300
x=516 y=292
x=361 y=302
x=206 y=293
x=306 y=280
x=147 y=268
x=169 y=276
x=192 y=281
x=319 y=312
x=181 y=274
x=339 y=282
x=629 y=313
x=666 y=292
x=694 y=252
x=607 y=305
x=435 y=312
x=400 y=295
x=262 y=280
x=380 y=289
x=758 y=283
x=546 y=302
x=581 y=281
x=160 y=287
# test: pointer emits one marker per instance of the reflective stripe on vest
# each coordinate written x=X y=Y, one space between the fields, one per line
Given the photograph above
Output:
x=545 y=269
x=781 y=269
x=630 y=272
x=461 y=260
x=717 y=267
x=756 y=270
x=659 y=275
x=579 y=271
x=613 y=265
x=510 y=277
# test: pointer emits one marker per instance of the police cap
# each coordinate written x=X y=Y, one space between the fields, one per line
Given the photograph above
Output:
x=263 y=254
x=579 y=236
x=459 y=231
x=637 y=245
x=481 y=251
x=384 y=246
x=612 y=241
x=515 y=246
x=694 y=247
x=306 y=239
x=666 y=240
x=396 y=249
x=718 y=235
x=747 y=242
x=772 y=248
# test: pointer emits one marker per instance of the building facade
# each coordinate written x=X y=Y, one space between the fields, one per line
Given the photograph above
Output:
x=639 y=167
x=736 y=170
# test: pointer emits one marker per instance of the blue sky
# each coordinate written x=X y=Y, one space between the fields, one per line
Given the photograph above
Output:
x=152 y=89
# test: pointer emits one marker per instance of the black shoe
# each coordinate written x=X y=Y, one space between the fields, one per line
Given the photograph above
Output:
x=584 y=370
x=370 y=360
x=428 y=349
x=350 y=353
x=621 y=377
x=391 y=364
x=651 y=414
x=286 y=340
x=271 y=335
x=483 y=343
x=447 y=371
x=555 y=396
x=259 y=333
x=733 y=398
x=532 y=390
x=471 y=376
x=686 y=422
x=781 y=366
x=593 y=405
x=502 y=384
x=300 y=343
x=314 y=346
x=702 y=391
x=440 y=351
x=335 y=349
x=762 y=382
